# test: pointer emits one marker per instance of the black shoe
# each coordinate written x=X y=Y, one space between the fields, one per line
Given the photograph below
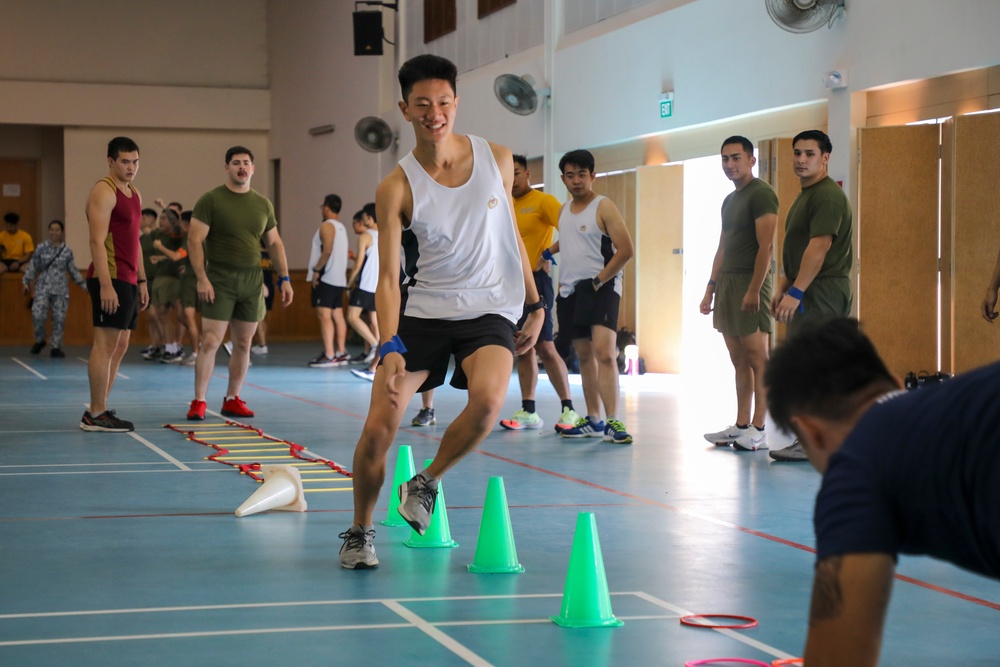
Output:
x=56 y=353
x=37 y=347
x=106 y=421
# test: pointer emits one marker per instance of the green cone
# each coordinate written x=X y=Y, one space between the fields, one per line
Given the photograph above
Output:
x=586 y=601
x=404 y=471
x=495 y=552
x=438 y=533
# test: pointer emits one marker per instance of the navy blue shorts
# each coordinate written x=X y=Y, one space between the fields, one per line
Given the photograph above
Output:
x=585 y=308
x=362 y=299
x=325 y=295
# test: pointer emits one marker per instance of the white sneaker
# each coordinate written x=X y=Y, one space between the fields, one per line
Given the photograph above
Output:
x=191 y=360
x=522 y=419
x=752 y=440
x=228 y=347
x=363 y=374
x=727 y=436
x=259 y=349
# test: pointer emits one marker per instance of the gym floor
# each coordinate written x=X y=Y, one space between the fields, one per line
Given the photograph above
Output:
x=123 y=549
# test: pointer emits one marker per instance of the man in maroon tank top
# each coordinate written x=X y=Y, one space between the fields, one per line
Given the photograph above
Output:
x=116 y=279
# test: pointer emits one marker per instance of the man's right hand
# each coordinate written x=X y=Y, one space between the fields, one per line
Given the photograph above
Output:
x=205 y=290
x=988 y=309
x=109 y=299
x=706 y=303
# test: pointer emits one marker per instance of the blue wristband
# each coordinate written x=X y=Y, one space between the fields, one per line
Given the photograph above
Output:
x=393 y=345
x=547 y=256
x=795 y=293
x=283 y=279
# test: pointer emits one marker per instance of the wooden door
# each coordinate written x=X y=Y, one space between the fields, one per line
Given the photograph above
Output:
x=897 y=224
x=782 y=178
x=620 y=188
x=19 y=194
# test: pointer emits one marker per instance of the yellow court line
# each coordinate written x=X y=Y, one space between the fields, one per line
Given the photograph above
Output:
x=254 y=451
x=324 y=490
x=317 y=471
x=221 y=429
x=262 y=443
x=326 y=479
x=242 y=437
x=225 y=457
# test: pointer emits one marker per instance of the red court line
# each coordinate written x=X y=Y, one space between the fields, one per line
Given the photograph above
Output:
x=656 y=503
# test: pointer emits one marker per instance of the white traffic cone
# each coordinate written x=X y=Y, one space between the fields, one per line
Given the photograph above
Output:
x=281 y=490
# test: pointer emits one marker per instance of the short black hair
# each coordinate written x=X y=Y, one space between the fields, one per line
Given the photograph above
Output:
x=58 y=222
x=332 y=202
x=742 y=141
x=151 y=212
x=120 y=145
x=579 y=157
x=359 y=216
x=11 y=218
x=369 y=208
x=822 y=371
x=818 y=136
x=521 y=160
x=238 y=150
x=186 y=215
x=423 y=68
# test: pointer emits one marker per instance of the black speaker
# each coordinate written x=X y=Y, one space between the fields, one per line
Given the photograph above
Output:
x=367 y=33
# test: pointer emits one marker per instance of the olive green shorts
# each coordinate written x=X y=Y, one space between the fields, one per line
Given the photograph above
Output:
x=189 y=291
x=824 y=299
x=166 y=290
x=728 y=317
x=239 y=295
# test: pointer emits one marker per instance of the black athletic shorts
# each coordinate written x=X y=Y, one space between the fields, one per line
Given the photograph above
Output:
x=128 y=305
x=325 y=295
x=585 y=308
x=430 y=344
x=543 y=283
x=362 y=299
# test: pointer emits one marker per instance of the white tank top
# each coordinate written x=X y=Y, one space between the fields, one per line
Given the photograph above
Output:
x=336 y=266
x=369 y=271
x=460 y=248
x=584 y=250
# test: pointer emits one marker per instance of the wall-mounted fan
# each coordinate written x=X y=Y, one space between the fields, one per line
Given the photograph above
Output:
x=804 y=15
x=517 y=93
x=373 y=134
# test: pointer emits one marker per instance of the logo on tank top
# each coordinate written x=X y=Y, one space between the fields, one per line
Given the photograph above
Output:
x=492 y=203
x=583 y=227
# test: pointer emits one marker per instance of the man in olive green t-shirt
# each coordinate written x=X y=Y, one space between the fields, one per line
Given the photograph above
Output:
x=818 y=252
x=227 y=226
x=741 y=285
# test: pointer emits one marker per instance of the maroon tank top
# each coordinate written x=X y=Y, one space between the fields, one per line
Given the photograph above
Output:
x=122 y=242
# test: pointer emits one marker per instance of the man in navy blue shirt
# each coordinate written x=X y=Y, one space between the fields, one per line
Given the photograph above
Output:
x=903 y=472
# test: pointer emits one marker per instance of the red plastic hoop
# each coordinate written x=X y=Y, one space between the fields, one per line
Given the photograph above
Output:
x=787 y=662
x=718 y=661
x=749 y=622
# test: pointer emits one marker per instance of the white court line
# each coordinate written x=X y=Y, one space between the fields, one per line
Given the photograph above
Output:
x=170 y=471
x=428 y=629
x=121 y=375
x=28 y=368
x=760 y=646
x=159 y=451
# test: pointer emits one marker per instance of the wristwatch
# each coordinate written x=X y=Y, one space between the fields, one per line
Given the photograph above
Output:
x=597 y=283
x=532 y=307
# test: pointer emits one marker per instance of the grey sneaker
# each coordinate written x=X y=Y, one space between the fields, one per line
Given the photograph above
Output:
x=358 y=550
x=727 y=436
x=752 y=440
x=424 y=418
x=793 y=452
x=416 y=501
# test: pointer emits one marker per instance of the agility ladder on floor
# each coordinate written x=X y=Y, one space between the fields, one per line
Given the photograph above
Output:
x=251 y=448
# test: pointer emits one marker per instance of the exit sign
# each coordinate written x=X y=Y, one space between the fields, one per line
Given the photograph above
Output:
x=666 y=105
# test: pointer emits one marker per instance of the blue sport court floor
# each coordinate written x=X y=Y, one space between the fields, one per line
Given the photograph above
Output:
x=123 y=549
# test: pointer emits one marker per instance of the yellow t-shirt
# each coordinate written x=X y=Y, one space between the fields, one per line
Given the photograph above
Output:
x=16 y=245
x=537 y=217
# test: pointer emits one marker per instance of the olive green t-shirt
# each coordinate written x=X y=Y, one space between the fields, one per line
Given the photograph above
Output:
x=820 y=209
x=146 y=243
x=236 y=221
x=167 y=266
x=740 y=211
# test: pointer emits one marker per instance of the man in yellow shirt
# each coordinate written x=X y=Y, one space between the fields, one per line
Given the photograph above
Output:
x=537 y=219
x=16 y=246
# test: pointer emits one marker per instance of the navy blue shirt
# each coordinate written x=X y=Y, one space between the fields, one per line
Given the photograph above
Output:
x=920 y=474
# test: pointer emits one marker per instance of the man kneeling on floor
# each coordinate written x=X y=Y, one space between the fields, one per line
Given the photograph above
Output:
x=903 y=472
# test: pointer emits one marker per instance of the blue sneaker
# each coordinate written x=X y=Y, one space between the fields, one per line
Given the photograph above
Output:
x=585 y=427
x=615 y=433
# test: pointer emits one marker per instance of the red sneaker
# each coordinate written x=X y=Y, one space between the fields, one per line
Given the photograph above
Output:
x=197 y=410
x=235 y=407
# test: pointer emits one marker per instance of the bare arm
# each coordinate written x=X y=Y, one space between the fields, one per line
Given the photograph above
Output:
x=327 y=233
x=197 y=234
x=990 y=301
x=610 y=221
x=706 y=302
x=812 y=262
x=364 y=241
x=393 y=204
x=849 y=601
x=276 y=250
x=764 y=227
x=100 y=203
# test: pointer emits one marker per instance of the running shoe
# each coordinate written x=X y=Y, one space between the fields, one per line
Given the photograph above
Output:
x=358 y=550
x=228 y=347
x=197 y=410
x=235 y=407
x=363 y=374
x=259 y=350
x=522 y=420
x=752 y=440
x=793 y=452
x=725 y=437
x=107 y=421
x=585 y=428
x=37 y=347
x=416 y=501
x=615 y=432
x=368 y=358
x=567 y=419
x=424 y=418
x=57 y=353
x=153 y=354
x=191 y=360
x=323 y=361
x=342 y=359
x=172 y=357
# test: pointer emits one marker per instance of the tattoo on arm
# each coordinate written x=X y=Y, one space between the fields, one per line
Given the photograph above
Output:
x=827 y=596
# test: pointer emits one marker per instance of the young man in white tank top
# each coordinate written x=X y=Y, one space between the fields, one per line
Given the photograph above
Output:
x=448 y=204
x=595 y=246
x=328 y=275
x=362 y=298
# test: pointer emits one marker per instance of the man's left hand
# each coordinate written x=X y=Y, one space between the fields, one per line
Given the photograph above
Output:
x=286 y=293
x=525 y=339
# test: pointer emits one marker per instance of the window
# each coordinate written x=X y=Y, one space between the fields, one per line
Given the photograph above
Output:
x=487 y=7
x=440 y=18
